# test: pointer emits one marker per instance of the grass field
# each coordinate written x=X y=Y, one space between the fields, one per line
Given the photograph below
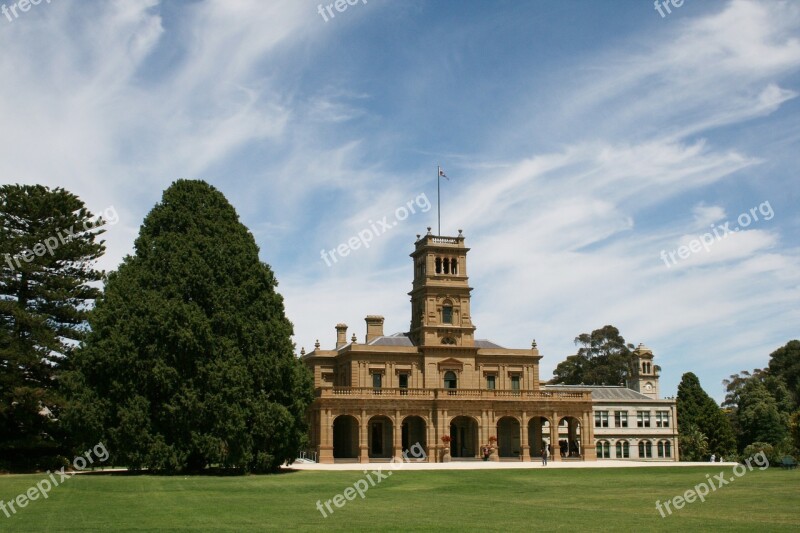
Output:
x=467 y=500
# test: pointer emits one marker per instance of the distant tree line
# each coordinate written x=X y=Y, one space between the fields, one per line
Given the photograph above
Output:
x=761 y=411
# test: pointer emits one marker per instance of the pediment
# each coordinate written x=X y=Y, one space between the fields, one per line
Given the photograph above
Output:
x=451 y=363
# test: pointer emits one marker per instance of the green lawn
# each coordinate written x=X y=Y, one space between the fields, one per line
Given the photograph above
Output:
x=468 y=500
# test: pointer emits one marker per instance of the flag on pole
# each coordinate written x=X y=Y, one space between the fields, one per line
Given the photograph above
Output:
x=442 y=174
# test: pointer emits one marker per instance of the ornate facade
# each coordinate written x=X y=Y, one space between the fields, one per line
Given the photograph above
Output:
x=378 y=398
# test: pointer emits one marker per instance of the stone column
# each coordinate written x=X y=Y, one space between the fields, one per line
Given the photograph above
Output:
x=536 y=447
x=483 y=429
x=572 y=434
x=397 y=427
x=556 y=455
x=443 y=430
x=587 y=433
x=525 y=454
x=363 y=438
x=325 y=449
x=430 y=439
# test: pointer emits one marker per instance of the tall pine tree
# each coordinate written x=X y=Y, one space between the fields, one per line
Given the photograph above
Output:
x=699 y=413
x=190 y=363
x=48 y=248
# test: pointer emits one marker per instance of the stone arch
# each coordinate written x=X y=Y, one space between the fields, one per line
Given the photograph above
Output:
x=380 y=436
x=414 y=430
x=508 y=436
x=603 y=449
x=539 y=435
x=569 y=437
x=345 y=437
x=464 y=436
x=645 y=447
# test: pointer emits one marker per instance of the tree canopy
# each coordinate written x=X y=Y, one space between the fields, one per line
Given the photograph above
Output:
x=48 y=247
x=763 y=404
x=699 y=413
x=190 y=363
x=602 y=359
x=784 y=363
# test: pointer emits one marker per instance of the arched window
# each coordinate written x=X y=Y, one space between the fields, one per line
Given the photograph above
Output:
x=664 y=448
x=446 y=265
x=454 y=266
x=623 y=449
x=603 y=450
x=645 y=449
x=447 y=314
x=450 y=380
x=438 y=265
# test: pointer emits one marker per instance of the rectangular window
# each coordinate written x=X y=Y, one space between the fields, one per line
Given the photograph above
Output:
x=490 y=382
x=621 y=419
x=662 y=419
x=601 y=419
x=515 y=382
x=403 y=378
x=377 y=380
x=643 y=419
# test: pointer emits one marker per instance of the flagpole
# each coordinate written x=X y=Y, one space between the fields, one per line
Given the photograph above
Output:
x=438 y=200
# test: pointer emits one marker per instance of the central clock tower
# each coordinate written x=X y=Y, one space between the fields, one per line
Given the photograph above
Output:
x=440 y=295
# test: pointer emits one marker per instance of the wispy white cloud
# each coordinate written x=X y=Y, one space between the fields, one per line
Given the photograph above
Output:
x=576 y=186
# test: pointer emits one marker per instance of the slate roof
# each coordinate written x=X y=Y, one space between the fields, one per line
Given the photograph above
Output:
x=402 y=339
x=485 y=343
x=604 y=392
x=398 y=339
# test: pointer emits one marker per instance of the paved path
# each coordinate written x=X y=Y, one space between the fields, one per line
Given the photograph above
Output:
x=490 y=465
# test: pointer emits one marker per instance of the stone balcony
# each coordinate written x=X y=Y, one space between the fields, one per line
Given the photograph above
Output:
x=451 y=394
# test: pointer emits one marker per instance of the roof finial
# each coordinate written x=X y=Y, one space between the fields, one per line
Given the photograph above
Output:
x=533 y=344
x=316 y=344
x=353 y=339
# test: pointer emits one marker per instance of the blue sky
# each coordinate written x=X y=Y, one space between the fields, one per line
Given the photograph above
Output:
x=581 y=139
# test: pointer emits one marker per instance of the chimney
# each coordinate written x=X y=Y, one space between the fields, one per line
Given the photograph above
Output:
x=341 y=335
x=374 y=327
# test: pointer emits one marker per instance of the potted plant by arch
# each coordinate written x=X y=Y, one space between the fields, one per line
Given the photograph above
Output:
x=493 y=456
x=446 y=451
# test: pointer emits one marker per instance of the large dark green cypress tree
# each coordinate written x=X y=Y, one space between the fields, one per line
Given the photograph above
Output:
x=698 y=412
x=48 y=248
x=190 y=357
